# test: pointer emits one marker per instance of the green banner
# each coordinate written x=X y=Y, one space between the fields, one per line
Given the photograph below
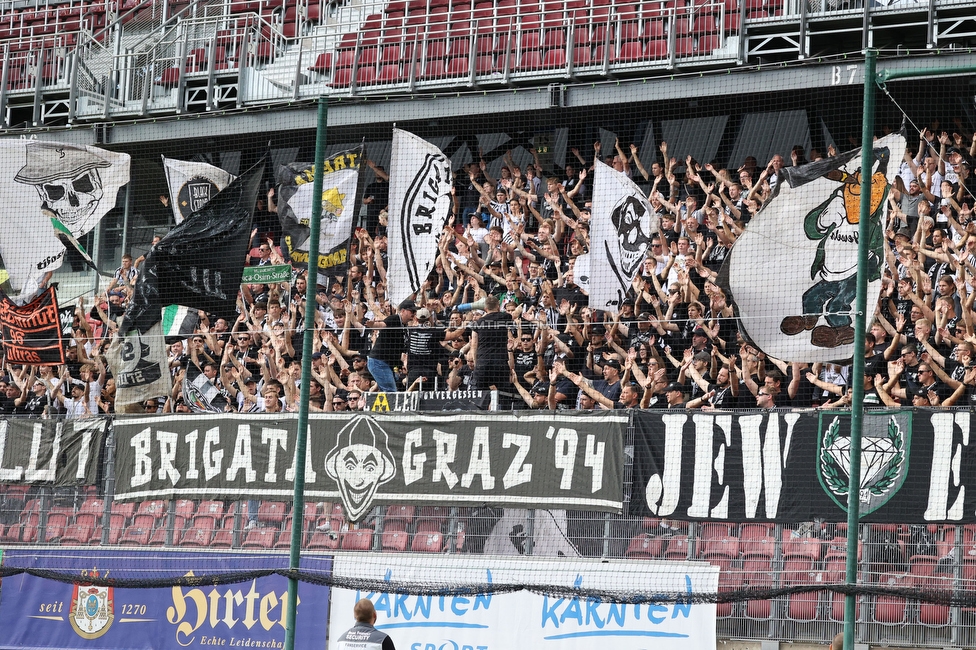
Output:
x=266 y=274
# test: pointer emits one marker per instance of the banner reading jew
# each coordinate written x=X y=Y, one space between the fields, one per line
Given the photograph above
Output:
x=340 y=199
x=49 y=615
x=621 y=228
x=44 y=181
x=192 y=185
x=528 y=461
x=420 y=200
x=809 y=234
x=32 y=332
x=51 y=452
x=787 y=467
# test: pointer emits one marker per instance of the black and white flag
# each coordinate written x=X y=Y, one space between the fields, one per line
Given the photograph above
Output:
x=200 y=394
x=47 y=182
x=420 y=201
x=138 y=361
x=199 y=264
x=808 y=233
x=192 y=185
x=341 y=191
x=620 y=234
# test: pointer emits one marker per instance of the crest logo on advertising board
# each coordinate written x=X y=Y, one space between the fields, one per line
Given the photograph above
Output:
x=884 y=460
x=92 y=610
x=359 y=463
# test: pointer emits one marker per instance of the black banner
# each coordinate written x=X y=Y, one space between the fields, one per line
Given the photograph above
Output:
x=432 y=400
x=917 y=466
x=342 y=190
x=32 y=332
x=519 y=461
x=51 y=452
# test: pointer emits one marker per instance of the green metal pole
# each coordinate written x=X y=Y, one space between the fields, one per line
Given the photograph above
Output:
x=890 y=75
x=298 y=506
x=860 y=325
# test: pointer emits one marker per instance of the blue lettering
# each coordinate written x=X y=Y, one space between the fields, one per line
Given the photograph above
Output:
x=637 y=611
x=593 y=612
x=423 y=606
x=549 y=613
x=430 y=646
x=456 y=604
x=400 y=604
x=683 y=606
x=415 y=646
x=482 y=600
x=482 y=647
x=655 y=612
x=382 y=604
x=573 y=611
x=441 y=601
x=467 y=647
x=617 y=612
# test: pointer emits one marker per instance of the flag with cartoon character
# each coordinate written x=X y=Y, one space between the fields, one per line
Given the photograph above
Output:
x=52 y=185
x=793 y=272
x=341 y=196
x=622 y=225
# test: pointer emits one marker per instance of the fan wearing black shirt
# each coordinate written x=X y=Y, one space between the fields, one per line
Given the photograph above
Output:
x=390 y=345
x=489 y=341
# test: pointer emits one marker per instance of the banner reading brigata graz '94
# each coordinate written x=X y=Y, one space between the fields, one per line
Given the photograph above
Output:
x=916 y=467
x=45 y=614
x=545 y=461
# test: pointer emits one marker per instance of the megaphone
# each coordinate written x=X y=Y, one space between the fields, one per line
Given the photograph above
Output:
x=471 y=306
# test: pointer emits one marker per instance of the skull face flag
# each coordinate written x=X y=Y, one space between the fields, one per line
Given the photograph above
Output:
x=621 y=229
x=72 y=186
x=793 y=272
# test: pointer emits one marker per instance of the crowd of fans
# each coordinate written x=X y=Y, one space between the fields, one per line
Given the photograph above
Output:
x=512 y=243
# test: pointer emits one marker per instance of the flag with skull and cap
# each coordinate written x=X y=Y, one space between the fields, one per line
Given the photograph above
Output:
x=621 y=228
x=52 y=185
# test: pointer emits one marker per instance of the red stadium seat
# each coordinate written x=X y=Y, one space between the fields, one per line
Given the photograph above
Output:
x=360 y=539
x=135 y=536
x=324 y=541
x=394 y=540
x=260 y=538
x=427 y=543
x=271 y=512
x=76 y=534
x=645 y=546
x=195 y=536
x=222 y=538
x=677 y=548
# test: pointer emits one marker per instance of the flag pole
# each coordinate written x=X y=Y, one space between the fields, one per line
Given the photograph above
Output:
x=860 y=325
x=298 y=504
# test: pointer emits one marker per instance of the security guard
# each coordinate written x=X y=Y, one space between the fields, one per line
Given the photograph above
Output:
x=363 y=636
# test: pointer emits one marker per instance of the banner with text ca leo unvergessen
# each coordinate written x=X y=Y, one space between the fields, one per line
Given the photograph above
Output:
x=524 y=619
x=40 y=614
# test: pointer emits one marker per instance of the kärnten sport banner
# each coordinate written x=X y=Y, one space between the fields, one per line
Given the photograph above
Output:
x=515 y=460
x=524 y=619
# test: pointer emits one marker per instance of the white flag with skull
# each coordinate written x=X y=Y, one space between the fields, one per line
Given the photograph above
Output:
x=192 y=185
x=49 y=182
x=620 y=234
